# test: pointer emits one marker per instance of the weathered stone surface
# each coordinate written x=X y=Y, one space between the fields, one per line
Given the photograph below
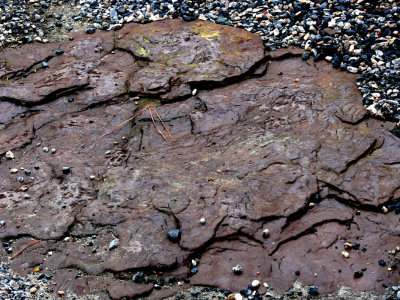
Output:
x=251 y=152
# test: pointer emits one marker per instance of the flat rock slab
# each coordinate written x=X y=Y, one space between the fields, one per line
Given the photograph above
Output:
x=254 y=149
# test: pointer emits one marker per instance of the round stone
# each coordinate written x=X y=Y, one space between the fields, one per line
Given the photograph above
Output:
x=10 y=155
x=174 y=235
x=265 y=233
x=255 y=283
x=237 y=269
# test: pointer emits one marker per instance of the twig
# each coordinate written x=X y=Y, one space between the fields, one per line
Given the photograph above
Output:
x=19 y=252
x=154 y=123
x=165 y=127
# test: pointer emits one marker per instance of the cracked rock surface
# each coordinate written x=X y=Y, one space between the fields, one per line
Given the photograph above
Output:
x=253 y=150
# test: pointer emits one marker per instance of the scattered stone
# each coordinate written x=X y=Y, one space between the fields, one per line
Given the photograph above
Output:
x=45 y=149
x=66 y=170
x=10 y=155
x=237 y=269
x=174 y=235
x=255 y=283
x=358 y=274
x=313 y=291
x=203 y=221
x=382 y=262
x=113 y=244
x=59 y=51
x=345 y=254
x=13 y=171
x=265 y=233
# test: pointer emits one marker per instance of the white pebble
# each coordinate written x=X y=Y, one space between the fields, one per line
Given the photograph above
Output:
x=238 y=297
x=255 y=283
x=202 y=221
x=10 y=155
x=345 y=254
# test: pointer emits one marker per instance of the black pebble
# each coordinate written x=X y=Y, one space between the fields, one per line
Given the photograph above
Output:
x=174 y=235
x=297 y=272
x=358 y=274
x=382 y=263
x=27 y=172
x=305 y=56
x=59 y=51
x=90 y=30
x=280 y=73
x=186 y=280
x=66 y=170
x=313 y=291
x=71 y=99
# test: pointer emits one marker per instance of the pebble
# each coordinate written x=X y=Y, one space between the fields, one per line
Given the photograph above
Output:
x=237 y=269
x=46 y=149
x=10 y=155
x=203 y=221
x=238 y=296
x=113 y=244
x=265 y=233
x=59 y=51
x=358 y=274
x=174 y=235
x=13 y=171
x=345 y=254
x=66 y=170
x=313 y=290
x=255 y=283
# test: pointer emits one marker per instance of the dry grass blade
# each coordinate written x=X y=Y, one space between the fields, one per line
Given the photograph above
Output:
x=165 y=127
x=150 y=108
x=20 y=251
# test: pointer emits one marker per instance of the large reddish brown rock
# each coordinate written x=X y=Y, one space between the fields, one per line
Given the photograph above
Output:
x=252 y=151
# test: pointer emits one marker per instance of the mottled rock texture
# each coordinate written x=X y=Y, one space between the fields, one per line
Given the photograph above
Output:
x=252 y=149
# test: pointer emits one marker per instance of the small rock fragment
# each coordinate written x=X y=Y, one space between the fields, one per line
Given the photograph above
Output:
x=345 y=254
x=202 y=221
x=265 y=233
x=59 y=51
x=10 y=155
x=237 y=269
x=313 y=291
x=255 y=283
x=358 y=274
x=174 y=235
x=113 y=244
